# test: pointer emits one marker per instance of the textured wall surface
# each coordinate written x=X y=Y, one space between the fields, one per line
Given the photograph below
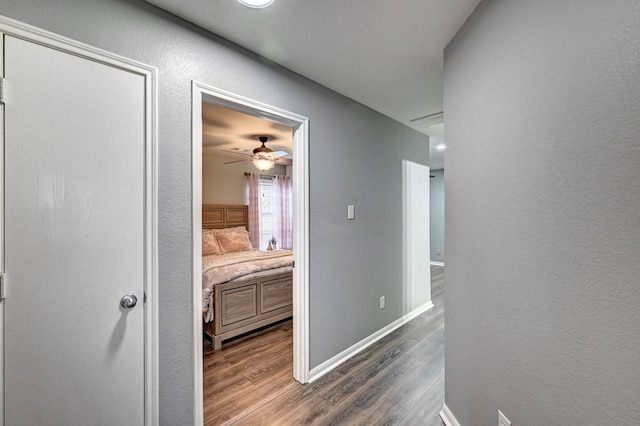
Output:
x=436 y=218
x=542 y=226
x=355 y=158
x=226 y=183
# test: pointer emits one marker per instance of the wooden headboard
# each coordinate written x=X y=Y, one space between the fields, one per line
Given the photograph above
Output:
x=218 y=216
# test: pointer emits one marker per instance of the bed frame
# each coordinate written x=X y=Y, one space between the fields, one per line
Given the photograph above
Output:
x=244 y=305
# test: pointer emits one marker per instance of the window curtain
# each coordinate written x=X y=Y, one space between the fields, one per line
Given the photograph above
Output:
x=254 y=209
x=283 y=211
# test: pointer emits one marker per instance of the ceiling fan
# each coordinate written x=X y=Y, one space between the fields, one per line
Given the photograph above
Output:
x=265 y=158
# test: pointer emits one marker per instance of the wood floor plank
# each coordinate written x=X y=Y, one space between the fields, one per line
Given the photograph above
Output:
x=384 y=413
x=271 y=368
x=359 y=379
x=427 y=411
x=408 y=392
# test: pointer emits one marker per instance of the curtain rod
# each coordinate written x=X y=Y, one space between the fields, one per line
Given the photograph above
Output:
x=269 y=176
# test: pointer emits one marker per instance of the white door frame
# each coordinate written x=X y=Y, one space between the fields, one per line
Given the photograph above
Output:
x=30 y=33
x=199 y=93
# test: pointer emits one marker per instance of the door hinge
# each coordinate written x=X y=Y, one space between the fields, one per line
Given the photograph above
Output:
x=3 y=89
x=2 y=285
x=294 y=264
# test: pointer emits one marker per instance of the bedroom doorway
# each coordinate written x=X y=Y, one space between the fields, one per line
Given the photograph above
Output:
x=298 y=126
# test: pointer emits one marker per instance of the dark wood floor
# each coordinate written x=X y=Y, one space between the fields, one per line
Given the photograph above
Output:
x=399 y=380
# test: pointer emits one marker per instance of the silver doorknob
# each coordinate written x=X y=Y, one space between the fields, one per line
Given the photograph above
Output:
x=128 y=301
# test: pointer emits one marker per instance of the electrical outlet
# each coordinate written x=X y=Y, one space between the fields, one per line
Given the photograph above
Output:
x=381 y=302
x=503 y=420
x=438 y=252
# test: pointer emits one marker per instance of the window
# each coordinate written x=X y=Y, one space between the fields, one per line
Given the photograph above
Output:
x=266 y=220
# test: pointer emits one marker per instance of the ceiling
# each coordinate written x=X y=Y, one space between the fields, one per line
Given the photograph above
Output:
x=385 y=54
x=235 y=134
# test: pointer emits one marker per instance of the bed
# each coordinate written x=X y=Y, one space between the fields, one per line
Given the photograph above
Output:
x=242 y=289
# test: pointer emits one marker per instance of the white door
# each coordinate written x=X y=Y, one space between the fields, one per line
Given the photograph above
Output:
x=74 y=172
x=415 y=223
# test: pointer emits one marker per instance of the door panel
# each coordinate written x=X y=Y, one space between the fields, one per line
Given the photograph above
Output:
x=74 y=239
x=2 y=248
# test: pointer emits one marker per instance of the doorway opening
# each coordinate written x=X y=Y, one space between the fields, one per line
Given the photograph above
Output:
x=207 y=95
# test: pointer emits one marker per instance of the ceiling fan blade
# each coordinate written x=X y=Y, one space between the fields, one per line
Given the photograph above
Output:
x=238 y=161
x=237 y=152
x=282 y=160
x=280 y=153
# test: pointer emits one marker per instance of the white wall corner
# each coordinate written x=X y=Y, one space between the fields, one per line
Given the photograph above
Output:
x=447 y=416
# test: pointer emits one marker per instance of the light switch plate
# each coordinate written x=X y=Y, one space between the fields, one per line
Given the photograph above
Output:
x=351 y=212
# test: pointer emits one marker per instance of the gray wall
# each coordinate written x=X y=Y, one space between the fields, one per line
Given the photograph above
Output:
x=542 y=227
x=355 y=158
x=436 y=217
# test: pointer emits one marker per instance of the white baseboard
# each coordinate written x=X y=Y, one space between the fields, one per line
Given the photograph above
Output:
x=447 y=416
x=343 y=356
x=434 y=263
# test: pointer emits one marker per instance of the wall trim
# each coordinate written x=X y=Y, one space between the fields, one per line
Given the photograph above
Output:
x=434 y=263
x=343 y=356
x=447 y=416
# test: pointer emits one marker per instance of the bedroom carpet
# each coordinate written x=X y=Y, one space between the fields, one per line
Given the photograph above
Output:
x=397 y=381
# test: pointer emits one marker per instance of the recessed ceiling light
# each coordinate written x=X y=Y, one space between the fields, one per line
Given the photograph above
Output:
x=256 y=4
x=441 y=147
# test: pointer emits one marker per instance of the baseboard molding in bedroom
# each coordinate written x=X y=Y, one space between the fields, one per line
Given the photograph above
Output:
x=447 y=416
x=434 y=263
x=343 y=356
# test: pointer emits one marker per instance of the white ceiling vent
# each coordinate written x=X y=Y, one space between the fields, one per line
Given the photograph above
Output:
x=433 y=124
x=429 y=120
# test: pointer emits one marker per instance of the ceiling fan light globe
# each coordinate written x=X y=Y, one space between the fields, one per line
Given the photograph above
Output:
x=263 y=163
